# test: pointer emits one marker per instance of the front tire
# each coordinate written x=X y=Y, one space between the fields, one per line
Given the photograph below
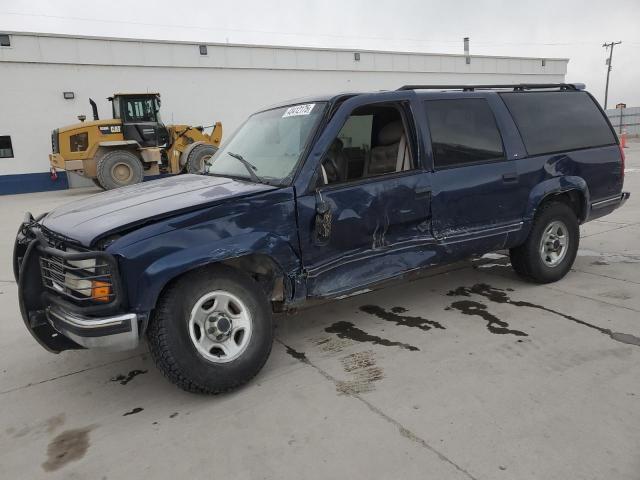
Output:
x=119 y=168
x=212 y=331
x=551 y=247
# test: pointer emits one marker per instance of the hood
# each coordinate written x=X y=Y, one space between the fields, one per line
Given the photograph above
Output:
x=111 y=211
x=88 y=123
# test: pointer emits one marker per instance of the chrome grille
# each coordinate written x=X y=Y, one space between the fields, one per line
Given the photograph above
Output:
x=85 y=281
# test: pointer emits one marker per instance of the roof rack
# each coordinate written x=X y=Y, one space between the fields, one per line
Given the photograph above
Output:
x=516 y=87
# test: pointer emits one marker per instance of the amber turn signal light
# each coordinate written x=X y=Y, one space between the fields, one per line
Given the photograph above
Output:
x=100 y=291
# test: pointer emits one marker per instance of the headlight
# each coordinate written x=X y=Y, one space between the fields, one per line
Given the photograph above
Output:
x=79 y=284
x=88 y=264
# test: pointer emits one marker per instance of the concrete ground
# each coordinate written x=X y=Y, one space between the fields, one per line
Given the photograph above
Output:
x=470 y=374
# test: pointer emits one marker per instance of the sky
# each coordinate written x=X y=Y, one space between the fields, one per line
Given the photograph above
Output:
x=560 y=29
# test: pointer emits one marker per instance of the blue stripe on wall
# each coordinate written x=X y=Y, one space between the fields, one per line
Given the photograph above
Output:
x=41 y=182
x=32 y=182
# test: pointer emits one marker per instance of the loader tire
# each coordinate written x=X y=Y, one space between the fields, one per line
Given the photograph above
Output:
x=119 y=168
x=197 y=158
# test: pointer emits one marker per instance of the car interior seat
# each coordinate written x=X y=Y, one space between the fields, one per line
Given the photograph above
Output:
x=391 y=153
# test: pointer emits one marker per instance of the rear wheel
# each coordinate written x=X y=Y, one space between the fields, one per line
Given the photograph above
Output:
x=118 y=169
x=550 y=250
x=196 y=161
x=212 y=331
x=96 y=182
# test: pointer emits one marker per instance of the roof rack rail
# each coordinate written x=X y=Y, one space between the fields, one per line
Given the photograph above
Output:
x=516 y=87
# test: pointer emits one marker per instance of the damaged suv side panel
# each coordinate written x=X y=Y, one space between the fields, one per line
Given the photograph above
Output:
x=159 y=253
x=314 y=200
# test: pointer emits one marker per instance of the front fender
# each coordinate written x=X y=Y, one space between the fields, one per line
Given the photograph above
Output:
x=554 y=186
x=150 y=281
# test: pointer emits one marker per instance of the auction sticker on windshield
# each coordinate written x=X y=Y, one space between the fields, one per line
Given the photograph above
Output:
x=299 y=110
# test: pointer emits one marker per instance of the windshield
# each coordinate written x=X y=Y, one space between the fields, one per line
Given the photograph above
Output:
x=271 y=142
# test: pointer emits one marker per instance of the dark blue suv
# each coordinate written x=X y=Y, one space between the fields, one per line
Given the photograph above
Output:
x=315 y=200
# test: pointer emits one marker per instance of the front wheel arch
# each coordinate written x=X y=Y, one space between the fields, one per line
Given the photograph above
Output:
x=262 y=268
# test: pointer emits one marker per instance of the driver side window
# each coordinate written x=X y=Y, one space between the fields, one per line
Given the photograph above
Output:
x=372 y=142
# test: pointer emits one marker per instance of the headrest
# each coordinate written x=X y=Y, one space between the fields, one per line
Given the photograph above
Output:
x=336 y=146
x=390 y=133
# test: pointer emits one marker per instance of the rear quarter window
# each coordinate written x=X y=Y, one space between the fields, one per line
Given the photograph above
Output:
x=551 y=122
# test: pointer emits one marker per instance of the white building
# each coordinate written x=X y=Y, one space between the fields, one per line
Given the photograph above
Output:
x=199 y=84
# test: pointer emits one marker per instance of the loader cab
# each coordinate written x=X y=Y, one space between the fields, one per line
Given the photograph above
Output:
x=140 y=117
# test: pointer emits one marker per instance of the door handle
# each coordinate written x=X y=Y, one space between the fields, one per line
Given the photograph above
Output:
x=510 y=177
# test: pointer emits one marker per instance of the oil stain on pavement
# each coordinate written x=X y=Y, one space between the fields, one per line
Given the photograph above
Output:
x=348 y=330
x=69 y=446
x=498 y=295
x=133 y=412
x=494 y=324
x=124 y=379
x=396 y=316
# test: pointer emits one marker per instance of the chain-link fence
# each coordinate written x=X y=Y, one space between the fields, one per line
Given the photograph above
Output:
x=625 y=120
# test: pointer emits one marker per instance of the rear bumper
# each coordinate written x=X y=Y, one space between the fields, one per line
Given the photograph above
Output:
x=119 y=332
x=607 y=205
x=615 y=202
x=58 y=162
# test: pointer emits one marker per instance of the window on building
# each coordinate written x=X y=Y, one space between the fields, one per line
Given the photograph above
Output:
x=5 y=40
x=551 y=122
x=6 y=148
x=372 y=142
x=463 y=131
x=140 y=110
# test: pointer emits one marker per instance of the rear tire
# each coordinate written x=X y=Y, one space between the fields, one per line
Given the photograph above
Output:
x=96 y=182
x=197 y=158
x=119 y=168
x=212 y=359
x=551 y=247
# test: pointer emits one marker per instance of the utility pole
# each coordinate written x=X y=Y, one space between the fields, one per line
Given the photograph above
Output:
x=606 y=88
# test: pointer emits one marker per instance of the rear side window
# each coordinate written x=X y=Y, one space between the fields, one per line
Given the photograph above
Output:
x=551 y=122
x=463 y=131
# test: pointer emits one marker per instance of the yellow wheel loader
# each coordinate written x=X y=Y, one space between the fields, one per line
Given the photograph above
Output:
x=133 y=144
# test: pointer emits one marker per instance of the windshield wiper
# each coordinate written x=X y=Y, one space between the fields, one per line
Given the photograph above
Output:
x=249 y=166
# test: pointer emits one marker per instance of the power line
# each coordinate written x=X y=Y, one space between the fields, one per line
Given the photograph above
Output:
x=609 y=46
x=297 y=34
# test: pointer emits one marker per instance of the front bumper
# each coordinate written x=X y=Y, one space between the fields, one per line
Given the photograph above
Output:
x=118 y=332
x=57 y=323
